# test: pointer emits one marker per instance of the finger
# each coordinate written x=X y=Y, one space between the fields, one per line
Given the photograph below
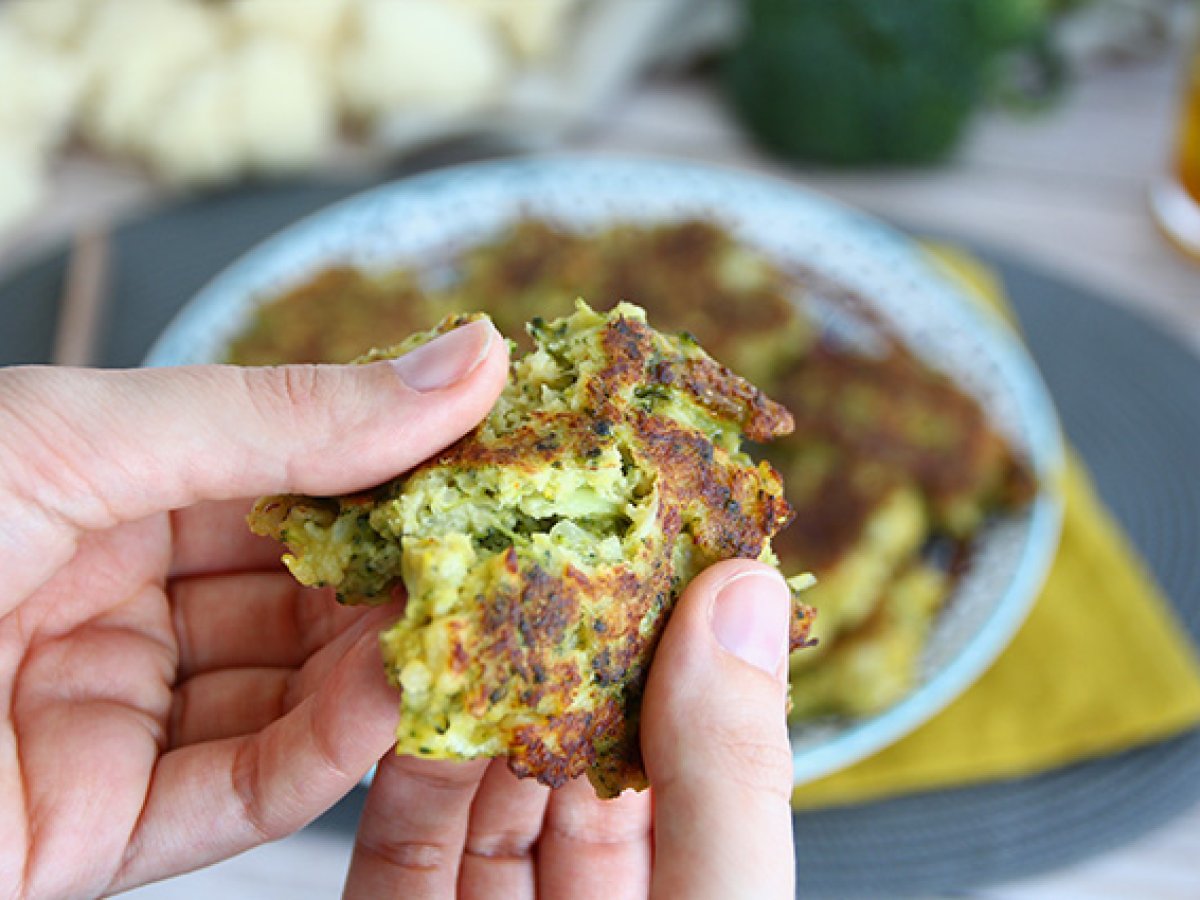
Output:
x=209 y=801
x=229 y=703
x=86 y=723
x=592 y=847
x=410 y=838
x=213 y=538
x=506 y=819
x=714 y=739
x=263 y=619
x=237 y=701
x=100 y=447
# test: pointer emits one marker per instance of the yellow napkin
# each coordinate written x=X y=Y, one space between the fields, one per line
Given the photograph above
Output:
x=1100 y=666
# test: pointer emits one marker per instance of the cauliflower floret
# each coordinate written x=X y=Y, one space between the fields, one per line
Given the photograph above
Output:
x=53 y=22
x=40 y=90
x=22 y=180
x=263 y=108
x=317 y=25
x=535 y=29
x=194 y=140
x=423 y=54
x=135 y=52
x=285 y=105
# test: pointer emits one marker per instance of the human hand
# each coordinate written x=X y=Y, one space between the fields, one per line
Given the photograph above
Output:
x=168 y=695
x=716 y=822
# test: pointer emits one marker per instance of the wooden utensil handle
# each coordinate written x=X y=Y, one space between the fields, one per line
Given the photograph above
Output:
x=83 y=299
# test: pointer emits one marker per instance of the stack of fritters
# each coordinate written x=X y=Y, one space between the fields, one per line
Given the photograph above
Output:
x=888 y=457
x=693 y=276
x=542 y=553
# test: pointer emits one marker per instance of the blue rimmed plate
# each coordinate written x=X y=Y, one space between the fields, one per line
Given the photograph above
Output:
x=420 y=221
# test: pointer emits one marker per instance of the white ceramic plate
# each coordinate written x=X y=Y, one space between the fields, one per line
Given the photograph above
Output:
x=419 y=222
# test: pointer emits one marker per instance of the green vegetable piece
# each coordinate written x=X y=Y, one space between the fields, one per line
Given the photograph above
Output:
x=853 y=82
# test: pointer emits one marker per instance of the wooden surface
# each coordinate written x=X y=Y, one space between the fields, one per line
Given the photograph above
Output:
x=1066 y=191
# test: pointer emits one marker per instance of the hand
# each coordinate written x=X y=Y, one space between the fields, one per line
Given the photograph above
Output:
x=715 y=824
x=168 y=695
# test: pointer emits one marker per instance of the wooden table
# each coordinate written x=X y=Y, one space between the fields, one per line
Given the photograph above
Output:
x=1066 y=191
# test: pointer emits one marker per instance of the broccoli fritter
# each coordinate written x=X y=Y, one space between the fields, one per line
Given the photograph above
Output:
x=857 y=523
x=334 y=317
x=689 y=276
x=542 y=553
x=532 y=269
x=876 y=664
x=887 y=458
x=891 y=463
x=912 y=419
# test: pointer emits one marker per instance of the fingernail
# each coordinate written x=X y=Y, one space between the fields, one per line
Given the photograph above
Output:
x=447 y=360
x=750 y=618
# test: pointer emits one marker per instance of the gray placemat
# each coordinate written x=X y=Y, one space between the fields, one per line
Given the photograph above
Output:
x=1128 y=398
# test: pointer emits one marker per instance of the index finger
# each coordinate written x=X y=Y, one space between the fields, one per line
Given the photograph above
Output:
x=213 y=538
x=96 y=448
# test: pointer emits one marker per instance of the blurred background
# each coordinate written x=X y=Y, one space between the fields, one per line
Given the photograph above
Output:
x=1059 y=134
x=952 y=114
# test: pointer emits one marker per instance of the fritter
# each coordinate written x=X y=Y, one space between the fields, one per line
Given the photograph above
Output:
x=857 y=522
x=531 y=270
x=888 y=455
x=694 y=276
x=334 y=317
x=543 y=553
x=689 y=276
x=876 y=664
x=889 y=459
x=910 y=418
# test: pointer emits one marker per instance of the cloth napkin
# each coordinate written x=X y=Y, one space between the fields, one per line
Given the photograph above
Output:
x=1101 y=664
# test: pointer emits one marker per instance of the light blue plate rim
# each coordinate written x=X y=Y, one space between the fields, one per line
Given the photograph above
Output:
x=525 y=177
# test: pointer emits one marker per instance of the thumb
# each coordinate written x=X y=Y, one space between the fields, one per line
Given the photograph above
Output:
x=86 y=449
x=714 y=739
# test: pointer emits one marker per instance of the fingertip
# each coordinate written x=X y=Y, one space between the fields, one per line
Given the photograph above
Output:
x=452 y=359
x=707 y=584
x=703 y=621
x=750 y=614
x=413 y=828
x=487 y=378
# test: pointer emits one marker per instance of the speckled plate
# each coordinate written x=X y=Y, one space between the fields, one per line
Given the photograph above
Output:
x=420 y=221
